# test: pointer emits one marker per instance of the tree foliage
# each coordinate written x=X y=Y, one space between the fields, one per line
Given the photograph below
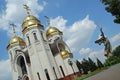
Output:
x=115 y=58
x=116 y=51
x=85 y=66
x=79 y=65
x=92 y=65
x=99 y=64
x=113 y=6
x=88 y=65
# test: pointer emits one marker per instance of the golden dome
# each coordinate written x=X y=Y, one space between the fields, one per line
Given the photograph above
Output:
x=30 y=22
x=66 y=54
x=16 y=41
x=52 y=31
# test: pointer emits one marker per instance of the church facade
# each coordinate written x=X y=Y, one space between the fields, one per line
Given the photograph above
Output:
x=43 y=55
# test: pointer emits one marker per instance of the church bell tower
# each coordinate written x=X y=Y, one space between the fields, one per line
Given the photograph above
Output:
x=17 y=56
x=43 y=66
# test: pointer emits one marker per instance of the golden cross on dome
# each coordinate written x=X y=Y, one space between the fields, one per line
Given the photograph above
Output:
x=27 y=8
x=13 y=25
x=47 y=19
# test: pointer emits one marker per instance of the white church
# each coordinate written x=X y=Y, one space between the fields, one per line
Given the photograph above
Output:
x=43 y=55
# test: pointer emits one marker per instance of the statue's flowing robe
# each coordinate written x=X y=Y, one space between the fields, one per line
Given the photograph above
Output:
x=107 y=49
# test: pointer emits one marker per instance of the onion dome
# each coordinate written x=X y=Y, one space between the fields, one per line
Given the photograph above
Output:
x=30 y=22
x=16 y=41
x=66 y=54
x=52 y=31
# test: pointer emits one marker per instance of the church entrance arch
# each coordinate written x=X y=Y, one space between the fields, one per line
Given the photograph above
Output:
x=21 y=66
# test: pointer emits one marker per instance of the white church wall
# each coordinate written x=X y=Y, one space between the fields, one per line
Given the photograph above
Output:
x=39 y=52
x=60 y=62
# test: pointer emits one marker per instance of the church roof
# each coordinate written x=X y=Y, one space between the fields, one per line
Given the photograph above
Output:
x=65 y=54
x=15 y=41
x=52 y=31
x=29 y=22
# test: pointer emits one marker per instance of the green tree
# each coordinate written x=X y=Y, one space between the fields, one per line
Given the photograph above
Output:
x=115 y=58
x=79 y=65
x=113 y=6
x=85 y=66
x=92 y=65
x=116 y=51
x=99 y=64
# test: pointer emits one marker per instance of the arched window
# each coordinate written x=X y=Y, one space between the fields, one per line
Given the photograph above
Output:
x=21 y=66
x=55 y=73
x=62 y=71
x=28 y=40
x=47 y=75
x=43 y=37
x=35 y=36
x=38 y=75
x=27 y=58
x=11 y=56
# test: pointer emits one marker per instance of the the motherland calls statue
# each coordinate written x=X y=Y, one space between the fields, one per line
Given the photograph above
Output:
x=106 y=42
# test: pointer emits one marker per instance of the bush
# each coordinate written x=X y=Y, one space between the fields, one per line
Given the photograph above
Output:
x=112 y=61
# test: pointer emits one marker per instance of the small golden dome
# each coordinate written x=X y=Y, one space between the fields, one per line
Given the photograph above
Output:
x=66 y=54
x=16 y=41
x=29 y=22
x=52 y=31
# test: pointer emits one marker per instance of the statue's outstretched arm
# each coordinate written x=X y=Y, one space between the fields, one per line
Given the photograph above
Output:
x=102 y=34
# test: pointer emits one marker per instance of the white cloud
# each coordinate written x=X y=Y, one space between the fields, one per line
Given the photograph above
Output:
x=99 y=54
x=115 y=38
x=59 y=22
x=81 y=32
x=5 y=70
x=78 y=34
x=85 y=51
x=15 y=13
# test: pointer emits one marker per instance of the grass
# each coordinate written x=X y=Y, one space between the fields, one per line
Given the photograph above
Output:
x=90 y=74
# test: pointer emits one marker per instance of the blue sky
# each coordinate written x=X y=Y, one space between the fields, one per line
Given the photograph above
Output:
x=78 y=19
